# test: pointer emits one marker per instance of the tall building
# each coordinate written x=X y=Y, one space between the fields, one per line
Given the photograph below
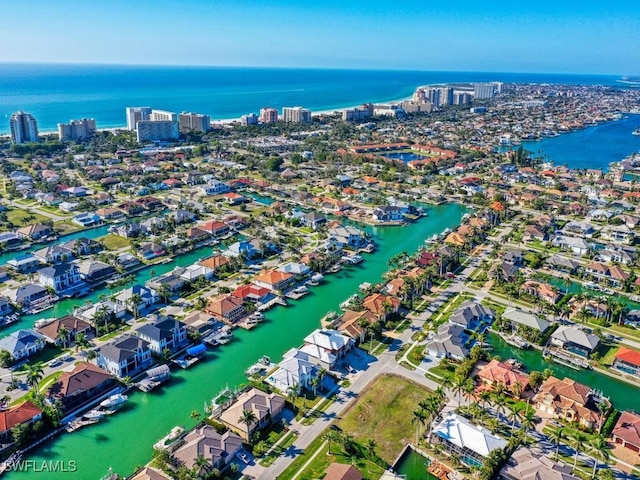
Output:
x=268 y=115
x=446 y=95
x=484 y=90
x=194 y=122
x=157 y=131
x=249 y=119
x=163 y=115
x=296 y=115
x=24 y=128
x=461 y=98
x=135 y=115
x=358 y=113
x=77 y=129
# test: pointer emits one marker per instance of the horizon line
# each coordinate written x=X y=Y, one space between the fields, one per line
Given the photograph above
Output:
x=272 y=67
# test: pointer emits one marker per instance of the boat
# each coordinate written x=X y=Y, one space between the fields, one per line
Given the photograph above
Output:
x=297 y=292
x=636 y=132
x=74 y=425
x=93 y=414
x=315 y=279
x=352 y=259
x=517 y=342
x=370 y=247
x=345 y=305
x=219 y=337
x=514 y=363
x=43 y=321
x=432 y=240
x=364 y=286
x=114 y=401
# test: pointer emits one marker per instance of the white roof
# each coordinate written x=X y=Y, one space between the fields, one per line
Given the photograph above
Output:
x=320 y=353
x=570 y=333
x=328 y=339
x=460 y=432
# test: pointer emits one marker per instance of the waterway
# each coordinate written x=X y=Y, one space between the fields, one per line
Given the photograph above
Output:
x=405 y=156
x=623 y=395
x=125 y=440
x=592 y=147
x=414 y=466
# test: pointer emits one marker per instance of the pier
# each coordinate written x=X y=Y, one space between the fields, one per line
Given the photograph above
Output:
x=566 y=359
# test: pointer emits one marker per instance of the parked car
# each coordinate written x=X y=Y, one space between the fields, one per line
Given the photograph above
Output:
x=243 y=457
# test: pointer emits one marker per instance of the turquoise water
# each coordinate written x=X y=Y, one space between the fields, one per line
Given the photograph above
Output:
x=260 y=198
x=414 y=466
x=405 y=157
x=592 y=147
x=125 y=440
x=58 y=93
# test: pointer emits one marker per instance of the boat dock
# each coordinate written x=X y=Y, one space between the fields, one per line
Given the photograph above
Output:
x=192 y=356
x=271 y=303
x=566 y=359
x=221 y=336
x=516 y=341
x=155 y=377
x=297 y=293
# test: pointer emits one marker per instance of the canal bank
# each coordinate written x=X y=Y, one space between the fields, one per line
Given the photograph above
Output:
x=623 y=395
x=125 y=441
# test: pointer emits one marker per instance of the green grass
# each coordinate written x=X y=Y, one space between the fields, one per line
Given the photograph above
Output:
x=318 y=410
x=114 y=242
x=46 y=354
x=383 y=413
x=17 y=215
x=273 y=455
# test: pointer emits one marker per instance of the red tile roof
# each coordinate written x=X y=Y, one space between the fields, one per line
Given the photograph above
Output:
x=627 y=355
x=17 y=415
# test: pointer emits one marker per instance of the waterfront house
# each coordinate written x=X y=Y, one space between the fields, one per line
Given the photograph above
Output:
x=520 y=318
x=94 y=271
x=148 y=296
x=627 y=361
x=11 y=240
x=149 y=250
x=472 y=443
x=245 y=250
x=618 y=234
x=215 y=262
x=150 y=203
x=87 y=219
x=626 y=432
x=577 y=246
x=218 y=449
x=331 y=342
x=81 y=385
x=127 y=260
x=388 y=213
x=23 y=343
x=64 y=278
x=191 y=273
x=25 y=263
x=110 y=213
x=352 y=323
x=299 y=270
x=82 y=246
x=25 y=413
x=562 y=264
x=124 y=356
x=293 y=373
x=449 y=342
x=274 y=280
x=253 y=293
x=544 y=291
x=347 y=236
x=529 y=464
x=314 y=220
x=29 y=295
x=55 y=254
x=574 y=340
x=266 y=407
x=5 y=307
x=226 y=307
x=472 y=315
x=568 y=400
x=381 y=305
x=35 y=232
x=168 y=333
x=497 y=372
x=72 y=325
x=127 y=230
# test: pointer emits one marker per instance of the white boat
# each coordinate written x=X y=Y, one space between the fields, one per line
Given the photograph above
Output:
x=345 y=305
x=93 y=414
x=114 y=401
x=43 y=321
x=636 y=132
x=364 y=286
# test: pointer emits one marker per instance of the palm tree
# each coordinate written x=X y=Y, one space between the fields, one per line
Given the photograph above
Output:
x=556 y=435
x=200 y=466
x=419 y=418
x=195 y=415
x=484 y=397
x=599 y=451
x=329 y=437
x=35 y=373
x=133 y=302
x=102 y=314
x=314 y=384
x=248 y=418
x=63 y=336
x=528 y=422
x=164 y=292
x=577 y=443
x=514 y=416
x=458 y=388
x=500 y=403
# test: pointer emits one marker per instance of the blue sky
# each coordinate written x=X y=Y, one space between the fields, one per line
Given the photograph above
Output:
x=563 y=36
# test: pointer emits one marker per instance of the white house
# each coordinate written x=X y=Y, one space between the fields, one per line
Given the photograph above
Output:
x=124 y=356
x=293 y=373
x=215 y=187
x=169 y=333
x=23 y=343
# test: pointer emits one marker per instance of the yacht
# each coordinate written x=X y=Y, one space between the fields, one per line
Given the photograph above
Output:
x=636 y=132
x=114 y=401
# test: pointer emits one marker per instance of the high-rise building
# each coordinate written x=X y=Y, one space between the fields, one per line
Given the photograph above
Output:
x=157 y=131
x=461 y=98
x=358 y=113
x=77 y=129
x=163 y=115
x=135 y=115
x=296 y=115
x=24 y=128
x=446 y=95
x=484 y=90
x=194 y=122
x=249 y=119
x=268 y=115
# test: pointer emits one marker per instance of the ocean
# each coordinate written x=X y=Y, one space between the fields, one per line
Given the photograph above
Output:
x=58 y=93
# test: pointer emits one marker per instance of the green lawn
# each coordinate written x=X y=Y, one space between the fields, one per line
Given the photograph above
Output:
x=114 y=242
x=20 y=218
x=383 y=413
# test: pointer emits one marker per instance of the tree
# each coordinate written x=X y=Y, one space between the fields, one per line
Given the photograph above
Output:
x=528 y=421
x=535 y=379
x=35 y=373
x=164 y=292
x=419 y=418
x=556 y=435
x=6 y=359
x=248 y=418
x=330 y=436
x=63 y=336
x=133 y=302
x=195 y=415
x=599 y=451
x=577 y=443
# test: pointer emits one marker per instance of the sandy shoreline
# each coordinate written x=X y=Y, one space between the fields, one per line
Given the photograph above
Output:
x=229 y=121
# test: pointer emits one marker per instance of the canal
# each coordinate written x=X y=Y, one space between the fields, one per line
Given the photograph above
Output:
x=413 y=466
x=125 y=440
x=623 y=395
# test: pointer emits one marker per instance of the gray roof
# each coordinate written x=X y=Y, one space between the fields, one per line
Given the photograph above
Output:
x=18 y=341
x=161 y=330
x=57 y=270
x=207 y=443
x=569 y=333
x=123 y=348
x=449 y=341
x=470 y=311
x=525 y=318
